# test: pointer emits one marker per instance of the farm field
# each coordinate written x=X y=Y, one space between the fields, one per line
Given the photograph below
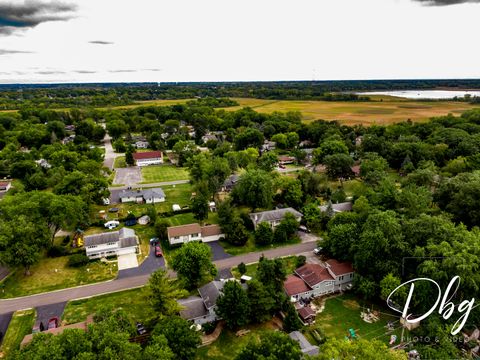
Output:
x=388 y=111
x=161 y=173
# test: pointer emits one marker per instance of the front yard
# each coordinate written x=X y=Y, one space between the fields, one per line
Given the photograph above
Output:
x=250 y=246
x=289 y=262
x=53 y=274
x=20 y=325
x=161 y=173
x=133 y=301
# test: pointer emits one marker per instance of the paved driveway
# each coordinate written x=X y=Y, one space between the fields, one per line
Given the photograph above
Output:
x=149 y=265
x=127 y=261
x=307 y=237
x=46 y=312
x=130 y=176
x=4 y=321
x=218 y=253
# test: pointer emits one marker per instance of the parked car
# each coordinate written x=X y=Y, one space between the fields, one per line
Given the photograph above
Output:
x=158 y=251
x=113 y=210
x=111 y=224
x=38 y=327
x=318 y=251
x=140 y=329
x=130 y=222
x=53 y=323
x=154 y=241
x=303 y=228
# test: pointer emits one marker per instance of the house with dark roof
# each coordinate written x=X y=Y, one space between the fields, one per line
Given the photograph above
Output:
x=111 y=243
x=274 y=217
x=193 y=232
x=142 y=196
x=230 y=182
x=305 y=345
x=148 y=158
x=312 y=280
x=201 y=309
x=337 y=208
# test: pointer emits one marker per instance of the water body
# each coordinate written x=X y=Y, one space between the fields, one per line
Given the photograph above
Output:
x=425 y=94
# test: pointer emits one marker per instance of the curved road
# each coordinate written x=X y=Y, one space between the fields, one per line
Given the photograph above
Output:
x=53 y=297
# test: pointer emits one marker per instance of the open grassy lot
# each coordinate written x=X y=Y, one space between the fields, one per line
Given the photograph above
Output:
x=250 y=246
x=388 y=111
x=342 y=313
x=133 y=301
x=20 y=325
x=228 y=345
x=53 y=274
x=161 y=173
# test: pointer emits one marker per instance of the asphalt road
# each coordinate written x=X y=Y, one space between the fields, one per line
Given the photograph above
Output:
x=9 y=305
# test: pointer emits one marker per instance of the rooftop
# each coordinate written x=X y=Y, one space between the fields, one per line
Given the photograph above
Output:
x=339 y=207
x=147 y=155
x=193 y=308
x=145 y=193
x=183 y=230
x=211 y=230
x=273 y=215
x=339 y=268
x=294 y=285
x=313 y=274
x=210 y=292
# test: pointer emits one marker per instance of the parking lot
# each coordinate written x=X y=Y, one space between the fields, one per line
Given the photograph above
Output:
x=130 y=176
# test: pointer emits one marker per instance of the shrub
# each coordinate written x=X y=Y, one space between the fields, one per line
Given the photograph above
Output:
x=209 y=327
x=300 y=261
x=57 y=251
x=78 y=260
x=242 y=268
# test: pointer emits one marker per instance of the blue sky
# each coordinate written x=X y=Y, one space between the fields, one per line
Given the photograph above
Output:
x=220 y=40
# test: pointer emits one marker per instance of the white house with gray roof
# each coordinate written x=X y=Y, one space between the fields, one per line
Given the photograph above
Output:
x=142 y=196
x=112 y=243
x=274 y=217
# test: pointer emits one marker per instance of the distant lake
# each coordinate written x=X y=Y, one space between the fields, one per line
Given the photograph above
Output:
x=424 y=94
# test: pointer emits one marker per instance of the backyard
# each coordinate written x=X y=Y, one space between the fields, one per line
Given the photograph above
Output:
x=342 y=313
x=162 y=173
x=52 y=274
x=20 y=325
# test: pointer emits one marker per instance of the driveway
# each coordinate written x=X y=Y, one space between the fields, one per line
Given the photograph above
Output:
x=46 y=312
x=127 y=261
x=148 y=266
x=4 y=321
x=308 y=237
x=218 y=253
x=130 y=176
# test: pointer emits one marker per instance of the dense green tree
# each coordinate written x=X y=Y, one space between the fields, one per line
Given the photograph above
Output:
x=263 y=234
x=272 y=274
x=254 y=189
x=182 y=340
x=200 y=207
x=291 y=322
x=272 y=345
x=129 y=160
x=158 y=349
x=267 y=161
x=358 y=349
x=249 y=138
x=261 y=302
x=193 y=262
x=163 y=293
x=233 y=305
x=286 y=229
x=338 y=165
x=332 y=146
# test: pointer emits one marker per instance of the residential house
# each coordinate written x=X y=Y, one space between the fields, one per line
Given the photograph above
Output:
x=112 y=243
x=43 y=163
x=208 y=137
x=69 y=127
x=193 y=232
x=148 y=158
x=141 y=144
x=5 y=185
x=68 y=139
x=269 y=145
x=337 y=208
x=306 y=144
x=145 y=196
x=274 y=217
x=201 y=309
x=305 y=346
x=172 y=157
x=312 y=280
x=306 y=314
x=230 y=182
x=285 y=159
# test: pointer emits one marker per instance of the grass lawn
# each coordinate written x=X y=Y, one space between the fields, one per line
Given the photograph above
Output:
x=20 y=325
x=161 y=173
x=228 y=345
x=343 y=312
x=250 y=246
x=53 y=274
x=120 y=162
x=133 y=301
x=289 y=262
